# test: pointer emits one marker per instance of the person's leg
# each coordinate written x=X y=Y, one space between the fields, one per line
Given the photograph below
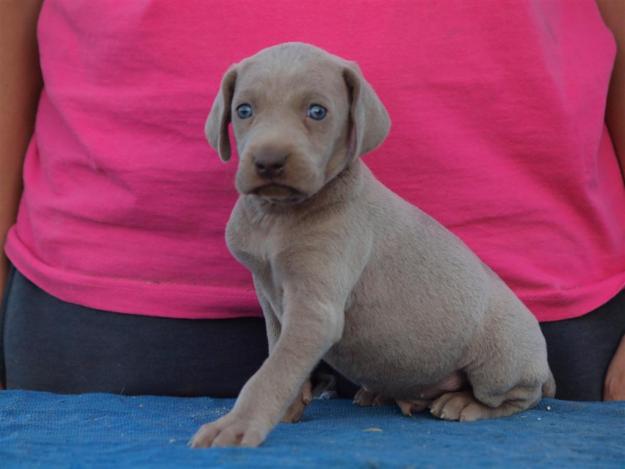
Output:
x=579 y=350
x=55 y=346
x=2 y=310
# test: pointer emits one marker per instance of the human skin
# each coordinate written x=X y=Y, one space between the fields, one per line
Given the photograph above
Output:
x=613 y=12
x=20 y=85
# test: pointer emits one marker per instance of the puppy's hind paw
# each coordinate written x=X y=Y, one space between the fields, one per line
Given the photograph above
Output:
x=366 y=398
x=296 y=409
x=464 y=407
x=409 y=407
x=451 y=405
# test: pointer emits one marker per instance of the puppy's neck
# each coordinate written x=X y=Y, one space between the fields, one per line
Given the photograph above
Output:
x=340 y=189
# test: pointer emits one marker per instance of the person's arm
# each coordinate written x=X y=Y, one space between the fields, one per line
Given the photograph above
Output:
x=613 y=12
x=614 y=386
x=20 y=85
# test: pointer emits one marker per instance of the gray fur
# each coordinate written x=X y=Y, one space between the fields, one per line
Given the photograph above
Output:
x=347 y=271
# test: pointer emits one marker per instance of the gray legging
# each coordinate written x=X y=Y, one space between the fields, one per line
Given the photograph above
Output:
x=580 y=349
x=61 y=347
x=51 y=345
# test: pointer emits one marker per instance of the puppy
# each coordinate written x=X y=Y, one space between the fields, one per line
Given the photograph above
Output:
x=347 y=271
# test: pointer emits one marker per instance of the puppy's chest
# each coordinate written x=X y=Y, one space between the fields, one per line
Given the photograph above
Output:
x=252 y=244
x=257 y=246
x=268 y=286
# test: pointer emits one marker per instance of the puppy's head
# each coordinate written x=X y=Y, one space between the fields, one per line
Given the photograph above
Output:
x=299 y=115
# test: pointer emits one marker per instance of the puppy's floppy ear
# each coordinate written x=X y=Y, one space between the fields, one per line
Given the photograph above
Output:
x=216 y=128
x=369 y=120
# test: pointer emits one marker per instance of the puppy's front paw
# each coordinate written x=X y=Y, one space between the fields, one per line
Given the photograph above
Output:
x=230 y=430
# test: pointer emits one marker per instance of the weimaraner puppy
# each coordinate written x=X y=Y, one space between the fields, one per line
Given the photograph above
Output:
x=346 y=270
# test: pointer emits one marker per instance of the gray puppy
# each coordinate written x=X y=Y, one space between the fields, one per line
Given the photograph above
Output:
x=347 y=271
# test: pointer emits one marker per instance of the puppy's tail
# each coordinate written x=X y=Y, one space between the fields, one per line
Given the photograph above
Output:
x=549 y=388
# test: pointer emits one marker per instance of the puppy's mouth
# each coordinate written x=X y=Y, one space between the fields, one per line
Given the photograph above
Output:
x=279 y=193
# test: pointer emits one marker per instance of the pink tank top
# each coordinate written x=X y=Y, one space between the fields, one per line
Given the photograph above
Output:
x=498 y=132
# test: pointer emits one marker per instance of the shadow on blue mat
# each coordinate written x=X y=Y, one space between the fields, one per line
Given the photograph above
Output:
x=48 y=430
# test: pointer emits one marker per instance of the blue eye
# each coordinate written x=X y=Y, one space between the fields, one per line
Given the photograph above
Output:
x=316 y=112
x=244 y=111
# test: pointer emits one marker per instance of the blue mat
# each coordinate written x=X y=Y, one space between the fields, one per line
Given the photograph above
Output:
x=103 y=430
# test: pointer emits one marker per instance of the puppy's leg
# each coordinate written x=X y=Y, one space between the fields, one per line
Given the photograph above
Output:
x=296 y=409
x=501 y=384
x=308 y=331
x=507 y=364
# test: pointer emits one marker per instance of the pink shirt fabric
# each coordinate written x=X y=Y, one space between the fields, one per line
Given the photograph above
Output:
x=498 y=132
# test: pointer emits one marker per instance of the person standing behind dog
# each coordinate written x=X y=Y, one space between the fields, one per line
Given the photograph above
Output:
x=121 y=279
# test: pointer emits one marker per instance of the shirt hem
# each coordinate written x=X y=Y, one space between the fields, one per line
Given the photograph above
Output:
x=573 y=303
x=151 y=299
x=176 y=301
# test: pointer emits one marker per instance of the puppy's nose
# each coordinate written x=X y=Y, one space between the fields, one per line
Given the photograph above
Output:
x=269 y=166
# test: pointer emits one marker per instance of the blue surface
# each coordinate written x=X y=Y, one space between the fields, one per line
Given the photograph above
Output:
x=48 y=430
